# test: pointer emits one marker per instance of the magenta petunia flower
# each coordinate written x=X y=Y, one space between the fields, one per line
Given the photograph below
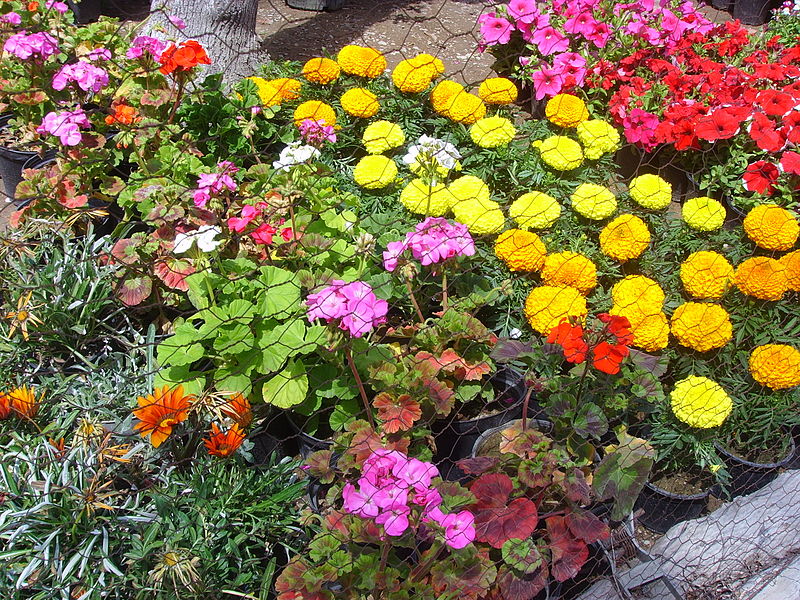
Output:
x=582 y=23
x=494 y=29
x=523 y=11
x=640 y=127
x=549 y=41
x=547 y=81
x=11 y=18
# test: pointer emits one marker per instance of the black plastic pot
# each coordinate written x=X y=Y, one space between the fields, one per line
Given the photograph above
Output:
x=726 y=5
x=663 y=509
x=455 y=439
x=748 y=477
x=316 y=5
x=306 y=444
x=537 y=424
x=794 y=463
x=11 y=163
x=753 y=12
x=86 y=11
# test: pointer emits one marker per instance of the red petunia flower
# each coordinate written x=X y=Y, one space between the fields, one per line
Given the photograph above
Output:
x=760 y=177
x=721 y=124
x=775 y=103
x=790 y=162
x=791 y=127
x=765 y=133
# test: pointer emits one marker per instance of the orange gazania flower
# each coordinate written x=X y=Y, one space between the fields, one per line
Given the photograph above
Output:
x=160 y=411
x=183 y=58
x=237 y=408
x=33 y=6
x=223 y=444
x=24 y=402
x=5 y=406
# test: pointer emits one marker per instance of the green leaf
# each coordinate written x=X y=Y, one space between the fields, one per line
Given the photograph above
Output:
x=522 y=555
x=192 y=381
x=281 y=292
x=344 y=412
x=622 y=473
x=181 y=348
x=287 y=388
x=233 y=339
x=590 y=421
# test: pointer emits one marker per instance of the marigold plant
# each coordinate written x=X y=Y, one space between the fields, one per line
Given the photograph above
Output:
x=361 y=61
x=375 y=171
x=650 y=329
x=625 y=238
x=651 y=191
x=315 y=110
x=321 y=70
x=424 y=199
x=637 y=292
x=482 y=217
x=594 y=201
x=700 y=402
x=772 y=227
x=360 y=102
x=520 y=250
x=703 y=213
x=566 y=110
x=535 y=210
x=762 y=277
x=706 y=274
x=491 y=132
x=497 y=90
x=382 y=136
x=598 y=138
x=560 y=152
x=791 y=264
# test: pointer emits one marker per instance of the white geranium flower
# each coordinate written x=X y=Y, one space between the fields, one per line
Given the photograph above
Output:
x=204 y=237
x=432 y=149
x=515 y=333
x=296 y=153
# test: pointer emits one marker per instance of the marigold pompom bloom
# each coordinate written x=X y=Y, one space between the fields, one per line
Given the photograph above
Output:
x=498 y=90
x=593 y=201
x=706 y=274
x=598 y=138
x=314 y=110
x=268 y=93
x=701 y=326
x=566 y=110
x=650 y=329
x=535 y=210
x=491 y=132
x=321 y=70
x=651 y=191
x=375 y=171
x=224 y=443
x=772 y=227
x=791 y=263
x=360 y=102
x=546 y=306
x=361 y=61
x=637 y=292
x=624 y=238
x=703 y=213
x=21 y=401
x=700 y=402
x=465 y=108
x=776 y=366
x=422 y=199
x=414 y=75
x=521 y=250
x=569 y=268
x=560 y=152
x=482 y=217
x=761 y=277
x=443 y=93
x=288 y=88
x=469 y=187
x=382 y=136
x=160 y=411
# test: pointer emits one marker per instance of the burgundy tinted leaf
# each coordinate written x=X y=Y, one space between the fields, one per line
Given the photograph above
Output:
x=477 y=465
x=568 y=553
x=521 y=588
x=492 y=489
x=468 y=579
x=134 y=290
x=576 y=487
x=496 y=525
x=584 y=525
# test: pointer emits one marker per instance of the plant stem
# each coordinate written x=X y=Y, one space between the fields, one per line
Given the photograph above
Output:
x=181 y=84
x=384 y=558
x=414 y=301
x=444 y=291
x=426 y=566
x=525 y=402
x=580 y=384
x=360 y=385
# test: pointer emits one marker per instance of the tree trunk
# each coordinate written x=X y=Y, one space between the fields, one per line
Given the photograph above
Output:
x=225 y=28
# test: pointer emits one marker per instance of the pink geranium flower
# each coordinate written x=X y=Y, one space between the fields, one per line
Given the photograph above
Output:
x=240 y=223
x=547 y=81
x=35 y=45
x=11 y=18
x=494 y=29
x=394 y=521
x=85 y=75
x=66 y=125
x=459 y=529
x=433 y=241
x=354 y=305
x=145 y=44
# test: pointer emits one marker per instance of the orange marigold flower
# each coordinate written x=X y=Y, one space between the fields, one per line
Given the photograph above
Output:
x=315 y=110
x=569 y=268
x=761 y=277
x=321 y=70
x=772 y=227
x=23 y=401
x=224 y=443
x=361 y=61
x=160 y=411
x=791 y=262
x=288 y=88
x=183 y=58
x=237 y=408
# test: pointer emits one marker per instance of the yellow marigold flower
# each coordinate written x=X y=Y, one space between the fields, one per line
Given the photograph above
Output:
x=701 y=326
x=469 y=187
x=491 y=132
x=624 y=238
x=465 y=108
x=639 y=293
x=422 y=199
x=360 y=102
x=791 y=262
x=535 y=210
x=566 y=110
x=570 y=268
x=361 y=61
x=650 y=330
x=268 y=93
x=594 y=201
x=761 y=277
x=288 y=88
x=547 y=305
x=561 y=153
x=375 y=171
x=772 y=227
x=321 y=70
x=651 y=191
x=521 y=250
x=706 y=274
x=498 y=90
x=414 y=75
x=598 y=138
x=703 y=213
x=316 y=111
x=381 y=136
x=443 y=93
x=700 y=402
x=776 y=366
x=482 y=217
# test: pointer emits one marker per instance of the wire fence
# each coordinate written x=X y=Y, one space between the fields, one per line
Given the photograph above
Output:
x=448 y=299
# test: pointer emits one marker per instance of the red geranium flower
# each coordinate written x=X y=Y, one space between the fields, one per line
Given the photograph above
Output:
x=183 y=58
x=760 y=177
x=570 y=338
x=619 y=327
x=608 y=357
x=765 y=133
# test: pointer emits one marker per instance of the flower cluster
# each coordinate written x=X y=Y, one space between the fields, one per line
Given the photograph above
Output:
x=392 y=485
x=66 y=125
x=641 y=300
x=608 y=345
x=297 y=153
x=82 y=73
x=569 y=268
x=433 y=241
x=145 y=45
x=701 y=326
x=214 y=184
x=315 y=133
x=182 y=59
x=414 y=75
x=361 y=61
x=546 y=306
x=354 y=305
x=382 y=136
x=37 y=46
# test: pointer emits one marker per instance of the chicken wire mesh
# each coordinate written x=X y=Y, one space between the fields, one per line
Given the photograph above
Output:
x=369 y=326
